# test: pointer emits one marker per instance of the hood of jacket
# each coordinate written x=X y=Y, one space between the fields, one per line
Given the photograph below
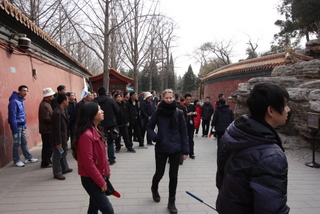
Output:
x=207 y=104
x=223 y=108
x=246 y=130
x=15 y=96
x=102 y=98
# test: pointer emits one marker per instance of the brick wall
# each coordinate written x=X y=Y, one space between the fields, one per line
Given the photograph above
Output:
x=225 y=87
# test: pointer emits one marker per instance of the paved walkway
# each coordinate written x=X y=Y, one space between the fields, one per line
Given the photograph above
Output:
x=32 y=190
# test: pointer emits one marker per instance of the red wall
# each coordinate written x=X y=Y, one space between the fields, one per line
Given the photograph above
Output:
x=225 y=87
x=47 y=76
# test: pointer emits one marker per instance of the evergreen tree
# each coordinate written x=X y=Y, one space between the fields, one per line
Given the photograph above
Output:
x=171 y=75
x=189 y=81
x=301 y=19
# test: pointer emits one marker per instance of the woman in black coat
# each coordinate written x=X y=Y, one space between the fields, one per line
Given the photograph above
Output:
x=171 y=141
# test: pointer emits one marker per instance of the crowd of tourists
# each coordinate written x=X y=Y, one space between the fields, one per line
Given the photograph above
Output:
x=97 y=125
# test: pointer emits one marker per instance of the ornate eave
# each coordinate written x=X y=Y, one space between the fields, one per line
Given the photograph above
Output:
x=255 y=67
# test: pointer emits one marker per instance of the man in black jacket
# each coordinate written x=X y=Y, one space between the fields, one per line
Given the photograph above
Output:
x=252 y=167
x=190 y=123
x=222 y=118
x=111 y=109
x=122 y=124
x=146 y=111
x=207 y=112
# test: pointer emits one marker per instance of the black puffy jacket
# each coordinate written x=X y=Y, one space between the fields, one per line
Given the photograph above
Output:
x=255 y=178
x=222 y=118
x=172 y=139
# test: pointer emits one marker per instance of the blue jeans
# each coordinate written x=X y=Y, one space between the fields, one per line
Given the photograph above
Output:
x=191 y=142
x=20 y=139
x=98 y=199
x=110 y=142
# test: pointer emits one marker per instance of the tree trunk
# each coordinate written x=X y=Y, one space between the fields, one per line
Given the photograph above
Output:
x=106 y=77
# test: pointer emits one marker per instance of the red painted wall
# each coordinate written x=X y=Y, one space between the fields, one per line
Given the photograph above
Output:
x=225 y=87
x=47 y=76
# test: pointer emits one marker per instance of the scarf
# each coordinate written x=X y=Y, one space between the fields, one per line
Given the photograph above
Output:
x=168 y=110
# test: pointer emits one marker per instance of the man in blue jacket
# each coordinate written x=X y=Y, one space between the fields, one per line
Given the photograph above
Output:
x=252 y=167
x=17 y=120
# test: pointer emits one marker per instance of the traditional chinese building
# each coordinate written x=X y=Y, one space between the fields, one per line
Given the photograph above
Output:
x=118 y=82
x=225 y=80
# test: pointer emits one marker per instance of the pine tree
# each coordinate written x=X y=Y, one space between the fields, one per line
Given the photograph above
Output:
x=189 y=81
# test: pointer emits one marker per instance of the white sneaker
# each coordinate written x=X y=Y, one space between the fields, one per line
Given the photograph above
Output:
x=32 y=160
x=19 y=164
x=143 y=147
x=196 y=135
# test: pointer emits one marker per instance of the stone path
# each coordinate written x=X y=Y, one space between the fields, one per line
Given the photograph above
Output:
x=32 y=190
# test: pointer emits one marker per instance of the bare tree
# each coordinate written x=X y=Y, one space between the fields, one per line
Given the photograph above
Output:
x=161 y=38
x=166 y=37
x=136 y=31
x=213 y=55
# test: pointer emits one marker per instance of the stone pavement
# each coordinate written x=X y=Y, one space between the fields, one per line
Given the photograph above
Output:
x=32 y=190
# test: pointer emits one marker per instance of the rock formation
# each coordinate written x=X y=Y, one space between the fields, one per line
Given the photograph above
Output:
x=302 y=81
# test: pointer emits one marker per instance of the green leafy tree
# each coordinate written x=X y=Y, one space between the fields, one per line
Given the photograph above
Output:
x=189 y=81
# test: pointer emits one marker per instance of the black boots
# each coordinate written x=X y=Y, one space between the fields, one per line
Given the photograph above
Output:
x=171 y=205
x=155 y=194
x=171 y=202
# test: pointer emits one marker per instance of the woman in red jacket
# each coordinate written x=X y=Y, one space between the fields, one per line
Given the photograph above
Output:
x=90 y=151
x=197 y=119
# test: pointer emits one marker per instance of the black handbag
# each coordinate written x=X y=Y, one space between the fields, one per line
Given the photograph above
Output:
x=110 y=189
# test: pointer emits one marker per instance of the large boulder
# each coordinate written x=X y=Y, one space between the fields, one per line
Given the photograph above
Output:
x=305 y=71
x=302 y=81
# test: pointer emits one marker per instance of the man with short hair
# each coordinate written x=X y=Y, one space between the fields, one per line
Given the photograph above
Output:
x=61 y=90
x=111 y=109
x=18 y=120
x=134 y=119
x=126 y=96
x=252 y=174
x=221 y=96
x=60 y=138
x=72 y=114
x=45 y=127
x=222 y=118
x=207 y=112
x=190 y=123
x=122 y=124
x=154 y=99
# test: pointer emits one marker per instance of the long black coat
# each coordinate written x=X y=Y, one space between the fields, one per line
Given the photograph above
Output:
x=59 y=130
x=134 y=111
x=123 y=116
x=110 y=108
